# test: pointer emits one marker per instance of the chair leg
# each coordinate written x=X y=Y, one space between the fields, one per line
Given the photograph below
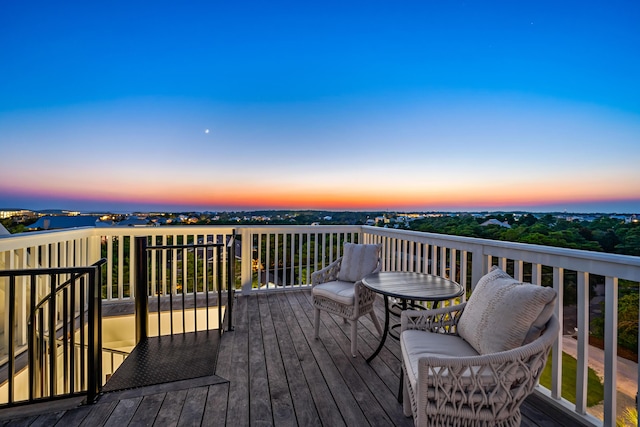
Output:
x=354 y=337
x=376 y=323
x=406 y=399
x=316 y=323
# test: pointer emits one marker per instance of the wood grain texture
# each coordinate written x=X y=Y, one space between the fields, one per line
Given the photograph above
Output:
x=270 y=371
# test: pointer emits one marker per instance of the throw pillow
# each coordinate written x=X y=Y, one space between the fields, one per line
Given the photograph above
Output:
x=502 y=313
x=358 y=260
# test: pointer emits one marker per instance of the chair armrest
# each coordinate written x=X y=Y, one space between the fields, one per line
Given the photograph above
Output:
x=441 y=320
x=521 y=366
x=481 y=374
x=327 y=274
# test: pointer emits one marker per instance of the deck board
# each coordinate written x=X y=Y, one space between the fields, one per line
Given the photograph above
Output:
x=327 y=408
x=270 y=371
x=215 y=411
x=147 y=410
x=238 y=405
x=281 y=402
x=171 y=408
x=292 y=364
x=260 y=405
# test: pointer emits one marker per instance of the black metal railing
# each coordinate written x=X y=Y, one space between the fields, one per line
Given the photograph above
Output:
x=62 y=310
x=179 y=282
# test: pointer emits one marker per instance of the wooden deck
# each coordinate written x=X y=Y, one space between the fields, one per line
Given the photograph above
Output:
x=270 y=371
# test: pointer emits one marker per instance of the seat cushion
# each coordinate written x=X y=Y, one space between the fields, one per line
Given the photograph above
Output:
x=417 y=344
x=338 y=290
x=357 y=261
x=503 y=314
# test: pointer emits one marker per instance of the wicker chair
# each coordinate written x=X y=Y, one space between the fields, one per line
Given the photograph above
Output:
x=342 y=293
x=451 y=384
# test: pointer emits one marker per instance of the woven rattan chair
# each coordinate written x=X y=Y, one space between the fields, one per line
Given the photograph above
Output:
x=338 y=288
x=448 y=382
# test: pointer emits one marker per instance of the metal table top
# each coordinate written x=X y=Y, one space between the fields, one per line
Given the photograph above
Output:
x=413 y=286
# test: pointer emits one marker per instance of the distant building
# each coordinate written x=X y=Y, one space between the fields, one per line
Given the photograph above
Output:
x=494 y=221
x=11 y=212
x=134 y=221
x=57 y=212
x=381 y=219
x=57 y=222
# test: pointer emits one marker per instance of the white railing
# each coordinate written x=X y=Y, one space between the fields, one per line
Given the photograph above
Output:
x=274 y=258
x=284 y=257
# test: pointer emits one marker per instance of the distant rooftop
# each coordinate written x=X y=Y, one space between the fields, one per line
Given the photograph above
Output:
x=56 y=222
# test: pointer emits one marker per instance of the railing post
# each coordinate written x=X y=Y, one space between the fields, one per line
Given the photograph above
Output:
x=610 y=349
x=142 y=292
x=231 y=279
x=94 y=366
x=478 y=262
x=246 y=257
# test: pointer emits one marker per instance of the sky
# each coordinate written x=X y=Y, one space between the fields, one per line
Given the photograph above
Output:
x=376 y=105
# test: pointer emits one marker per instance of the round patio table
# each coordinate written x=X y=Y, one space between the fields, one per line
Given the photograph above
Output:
x=409 y=286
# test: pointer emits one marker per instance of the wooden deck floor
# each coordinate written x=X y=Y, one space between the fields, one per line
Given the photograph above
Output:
x=270 y=371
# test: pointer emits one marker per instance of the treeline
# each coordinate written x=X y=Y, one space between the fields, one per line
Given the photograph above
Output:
x=604 y=234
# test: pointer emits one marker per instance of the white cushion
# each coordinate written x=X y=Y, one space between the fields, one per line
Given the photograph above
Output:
x=357 y=261
x=339 y=291
x=416 y=344
x=503 y=314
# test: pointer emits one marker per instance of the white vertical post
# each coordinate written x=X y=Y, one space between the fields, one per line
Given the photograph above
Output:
x=478 y=266
x=536 y=274
x=21 y=297
x=453 y=263
x=518 y=273
x=300 y=253
x=245 y=265
x=109 y=268
x=308 y=277
x=434 y=260
x=9 y=264
x=610 y=349
x=556 y=369
x=583 y=342
x=164 y=278
x=463 y=273
x=120 y=267
x=174 y=269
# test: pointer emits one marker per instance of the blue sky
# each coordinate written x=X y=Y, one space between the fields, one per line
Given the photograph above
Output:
x=324 y=105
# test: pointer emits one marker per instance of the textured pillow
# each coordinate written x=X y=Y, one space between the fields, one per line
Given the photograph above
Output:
x=358 y=261
x=503 y=314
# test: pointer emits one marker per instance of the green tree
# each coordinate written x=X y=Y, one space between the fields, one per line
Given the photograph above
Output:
x=630 y=241
x=528 y=220
x=627 y=322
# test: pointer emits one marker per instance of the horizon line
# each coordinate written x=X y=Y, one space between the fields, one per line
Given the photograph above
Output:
x=396 y=211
